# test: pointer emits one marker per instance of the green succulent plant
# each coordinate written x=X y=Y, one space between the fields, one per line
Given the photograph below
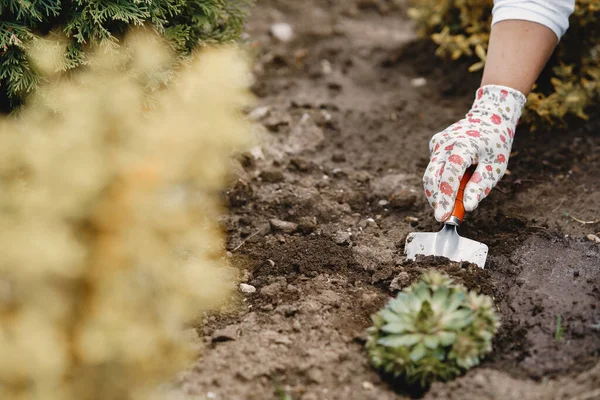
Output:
x=433 y=330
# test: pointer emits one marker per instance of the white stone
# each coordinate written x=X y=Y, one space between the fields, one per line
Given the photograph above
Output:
x=593 y=238
x=326 y=67
x=282 y=31
x=418 y=82
x=259 y=113
x=257 y=153
x=245 y=288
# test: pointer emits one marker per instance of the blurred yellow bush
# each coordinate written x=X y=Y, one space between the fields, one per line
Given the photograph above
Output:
x=462 y=28
x=109 y=198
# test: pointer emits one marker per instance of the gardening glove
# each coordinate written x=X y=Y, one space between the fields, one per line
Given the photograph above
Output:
x=484 y=137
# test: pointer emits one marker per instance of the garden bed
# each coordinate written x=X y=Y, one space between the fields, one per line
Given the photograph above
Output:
x=348 y=107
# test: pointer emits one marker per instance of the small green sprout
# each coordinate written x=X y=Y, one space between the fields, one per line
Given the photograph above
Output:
x=280 y=392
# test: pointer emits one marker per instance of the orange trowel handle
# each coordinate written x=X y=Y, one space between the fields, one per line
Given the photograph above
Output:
x=459 y=207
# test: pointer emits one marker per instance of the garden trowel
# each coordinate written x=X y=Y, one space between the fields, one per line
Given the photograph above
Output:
x=447 y=242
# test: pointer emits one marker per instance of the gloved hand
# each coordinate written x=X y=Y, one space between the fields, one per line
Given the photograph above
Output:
x=484 y=137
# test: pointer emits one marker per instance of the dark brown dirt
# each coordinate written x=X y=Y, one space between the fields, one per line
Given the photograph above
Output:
x=343 y=148
x=544 y=278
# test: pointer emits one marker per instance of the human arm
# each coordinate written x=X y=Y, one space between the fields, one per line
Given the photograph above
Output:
x=518 y=51
x=523 y=36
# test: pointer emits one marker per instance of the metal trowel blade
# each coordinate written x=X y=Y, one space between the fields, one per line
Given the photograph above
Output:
x=446 y=243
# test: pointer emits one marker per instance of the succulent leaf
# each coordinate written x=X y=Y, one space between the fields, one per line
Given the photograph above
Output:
x=446 y=338
x=440 y=296
x=390 y=316
x=457 y=319
x=422 y=292
x=456 y=299
x=433 y=330
x=418 y=352
x=431 y=341
x=394 y=327
x=400 y=340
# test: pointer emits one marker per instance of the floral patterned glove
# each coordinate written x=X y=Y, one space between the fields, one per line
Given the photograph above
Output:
x=484 y=137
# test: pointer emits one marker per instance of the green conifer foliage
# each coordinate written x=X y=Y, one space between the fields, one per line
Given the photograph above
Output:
x=184 y=23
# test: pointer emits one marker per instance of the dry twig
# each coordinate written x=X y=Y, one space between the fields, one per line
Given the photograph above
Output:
x=263 y=230
x=582 y=221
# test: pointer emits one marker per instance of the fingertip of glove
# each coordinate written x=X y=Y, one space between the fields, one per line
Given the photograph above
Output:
x=473 y=195
x=470 y=205
x=442 y=215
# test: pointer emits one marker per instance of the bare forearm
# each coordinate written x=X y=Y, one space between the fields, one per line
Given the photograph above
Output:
x=517 y=52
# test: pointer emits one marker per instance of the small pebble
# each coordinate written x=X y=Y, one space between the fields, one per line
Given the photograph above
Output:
x=315 y=375
x=418 y=82
x=245 y=288
x=282 y=31
x=368 y=385
x=257 y=153
x=246 y=275
x=326 y=116
x=326 y=67
x=307 y=225
x=403 y=199
x=342 y=238
x=593 y=238
x=259 y=113
x=400 y=281
x=278 y=225
x=296 y=326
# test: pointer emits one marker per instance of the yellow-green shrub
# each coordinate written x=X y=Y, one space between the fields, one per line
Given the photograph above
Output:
x=461 y=28
x=109 y=198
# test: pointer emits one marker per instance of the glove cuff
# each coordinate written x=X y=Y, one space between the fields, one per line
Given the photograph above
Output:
x=505 y=102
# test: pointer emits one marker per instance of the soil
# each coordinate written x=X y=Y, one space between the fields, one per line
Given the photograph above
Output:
x=321 y=209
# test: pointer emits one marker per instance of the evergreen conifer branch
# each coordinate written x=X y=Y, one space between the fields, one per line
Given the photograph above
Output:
x=185 y=24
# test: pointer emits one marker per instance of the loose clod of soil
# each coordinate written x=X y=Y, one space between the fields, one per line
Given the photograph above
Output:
x=320 y=212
